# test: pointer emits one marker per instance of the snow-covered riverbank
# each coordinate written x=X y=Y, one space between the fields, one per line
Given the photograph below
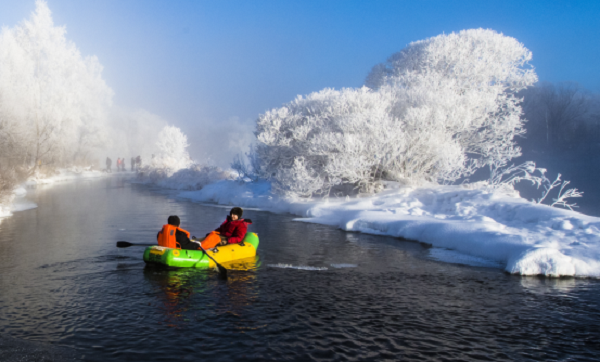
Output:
x=18 y=201
x=524 y=237
x=65 y=174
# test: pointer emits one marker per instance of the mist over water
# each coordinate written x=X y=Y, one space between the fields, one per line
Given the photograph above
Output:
x=313 y=292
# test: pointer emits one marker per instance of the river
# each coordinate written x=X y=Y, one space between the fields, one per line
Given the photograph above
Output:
x=314 y=293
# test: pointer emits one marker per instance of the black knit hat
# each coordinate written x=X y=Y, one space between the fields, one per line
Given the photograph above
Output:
x=174 y=220
x=236 y=211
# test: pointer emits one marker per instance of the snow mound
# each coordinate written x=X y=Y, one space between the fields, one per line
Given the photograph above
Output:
x=498 y=227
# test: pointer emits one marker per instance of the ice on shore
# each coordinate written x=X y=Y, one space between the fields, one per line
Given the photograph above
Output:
x=497 y=227
x=18 y=202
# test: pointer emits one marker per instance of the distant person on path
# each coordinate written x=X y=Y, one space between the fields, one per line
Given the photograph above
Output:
x=118 y=164
x=172 y=236
x=108 y=164
x=132 y=163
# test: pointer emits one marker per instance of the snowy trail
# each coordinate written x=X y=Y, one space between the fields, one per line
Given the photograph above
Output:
x=524 y=238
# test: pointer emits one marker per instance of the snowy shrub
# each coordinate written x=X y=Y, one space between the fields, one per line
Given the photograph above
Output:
x=436 y=111
x=510 y=175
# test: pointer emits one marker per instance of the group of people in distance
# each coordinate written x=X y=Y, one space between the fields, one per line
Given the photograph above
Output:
x=232 y=231
x=136 y=164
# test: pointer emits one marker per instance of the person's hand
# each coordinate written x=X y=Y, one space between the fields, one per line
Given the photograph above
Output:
x=223 y=242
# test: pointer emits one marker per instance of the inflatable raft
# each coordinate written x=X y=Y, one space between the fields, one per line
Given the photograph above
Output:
x=159 y=255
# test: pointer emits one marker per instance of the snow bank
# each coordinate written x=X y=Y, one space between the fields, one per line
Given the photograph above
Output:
x=499 y=227
x=5 y=208
x=194 y=177
x=65 y=174
x=17 y=201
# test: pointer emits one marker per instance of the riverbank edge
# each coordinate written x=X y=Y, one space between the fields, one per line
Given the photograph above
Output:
x=526 y=238
x=8 y=207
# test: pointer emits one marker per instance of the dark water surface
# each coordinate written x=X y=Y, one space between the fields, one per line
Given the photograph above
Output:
x=65 y=287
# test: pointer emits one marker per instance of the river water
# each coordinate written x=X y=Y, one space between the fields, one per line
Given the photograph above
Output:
x=314 y=293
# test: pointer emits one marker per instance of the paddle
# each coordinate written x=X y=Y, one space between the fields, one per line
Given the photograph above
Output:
x=125 y=244
x=222 y=270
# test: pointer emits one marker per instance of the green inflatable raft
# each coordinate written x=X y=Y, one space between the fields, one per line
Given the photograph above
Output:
x=159 y=255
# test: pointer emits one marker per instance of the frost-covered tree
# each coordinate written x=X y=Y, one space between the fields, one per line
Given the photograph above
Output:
x=435 y=111
x=172 y=145
x=55 y=100
x=326 y=139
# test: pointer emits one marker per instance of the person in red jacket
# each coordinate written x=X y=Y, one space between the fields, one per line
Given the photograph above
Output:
x=234 y=228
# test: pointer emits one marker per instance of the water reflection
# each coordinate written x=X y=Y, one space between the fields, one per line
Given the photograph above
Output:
x=173 y=291
x=542 y=285
x=183 y=294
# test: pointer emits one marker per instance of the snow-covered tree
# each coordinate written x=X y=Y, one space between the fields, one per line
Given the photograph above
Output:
x=172 y=145
x=55 y=99
x=436 y=111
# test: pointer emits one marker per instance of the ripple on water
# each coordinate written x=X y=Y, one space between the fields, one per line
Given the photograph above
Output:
x=370 y=298
x=298 y=267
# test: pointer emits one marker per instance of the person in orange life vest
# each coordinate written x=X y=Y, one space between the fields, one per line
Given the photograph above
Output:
x=172 y=236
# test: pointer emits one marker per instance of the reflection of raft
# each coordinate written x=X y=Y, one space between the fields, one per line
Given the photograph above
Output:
x=159 y=255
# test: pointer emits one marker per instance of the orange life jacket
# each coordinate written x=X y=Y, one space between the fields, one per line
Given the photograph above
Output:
x=211 y=240
x=166 y=237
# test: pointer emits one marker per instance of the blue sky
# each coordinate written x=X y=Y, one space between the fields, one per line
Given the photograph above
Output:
x=203 y=62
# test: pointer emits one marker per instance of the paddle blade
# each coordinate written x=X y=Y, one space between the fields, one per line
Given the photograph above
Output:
x=123 y=244
x=222 y=272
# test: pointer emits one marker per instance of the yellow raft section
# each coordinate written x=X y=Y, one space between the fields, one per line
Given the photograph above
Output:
x=231 y=252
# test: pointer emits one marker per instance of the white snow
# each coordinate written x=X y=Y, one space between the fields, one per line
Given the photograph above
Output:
x=490 y=227
x=68 y=174
x=194 y=177
x=18 y=201
x=5 y=210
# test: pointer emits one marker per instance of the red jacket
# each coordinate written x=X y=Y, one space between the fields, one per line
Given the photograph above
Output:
x=234 y=230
